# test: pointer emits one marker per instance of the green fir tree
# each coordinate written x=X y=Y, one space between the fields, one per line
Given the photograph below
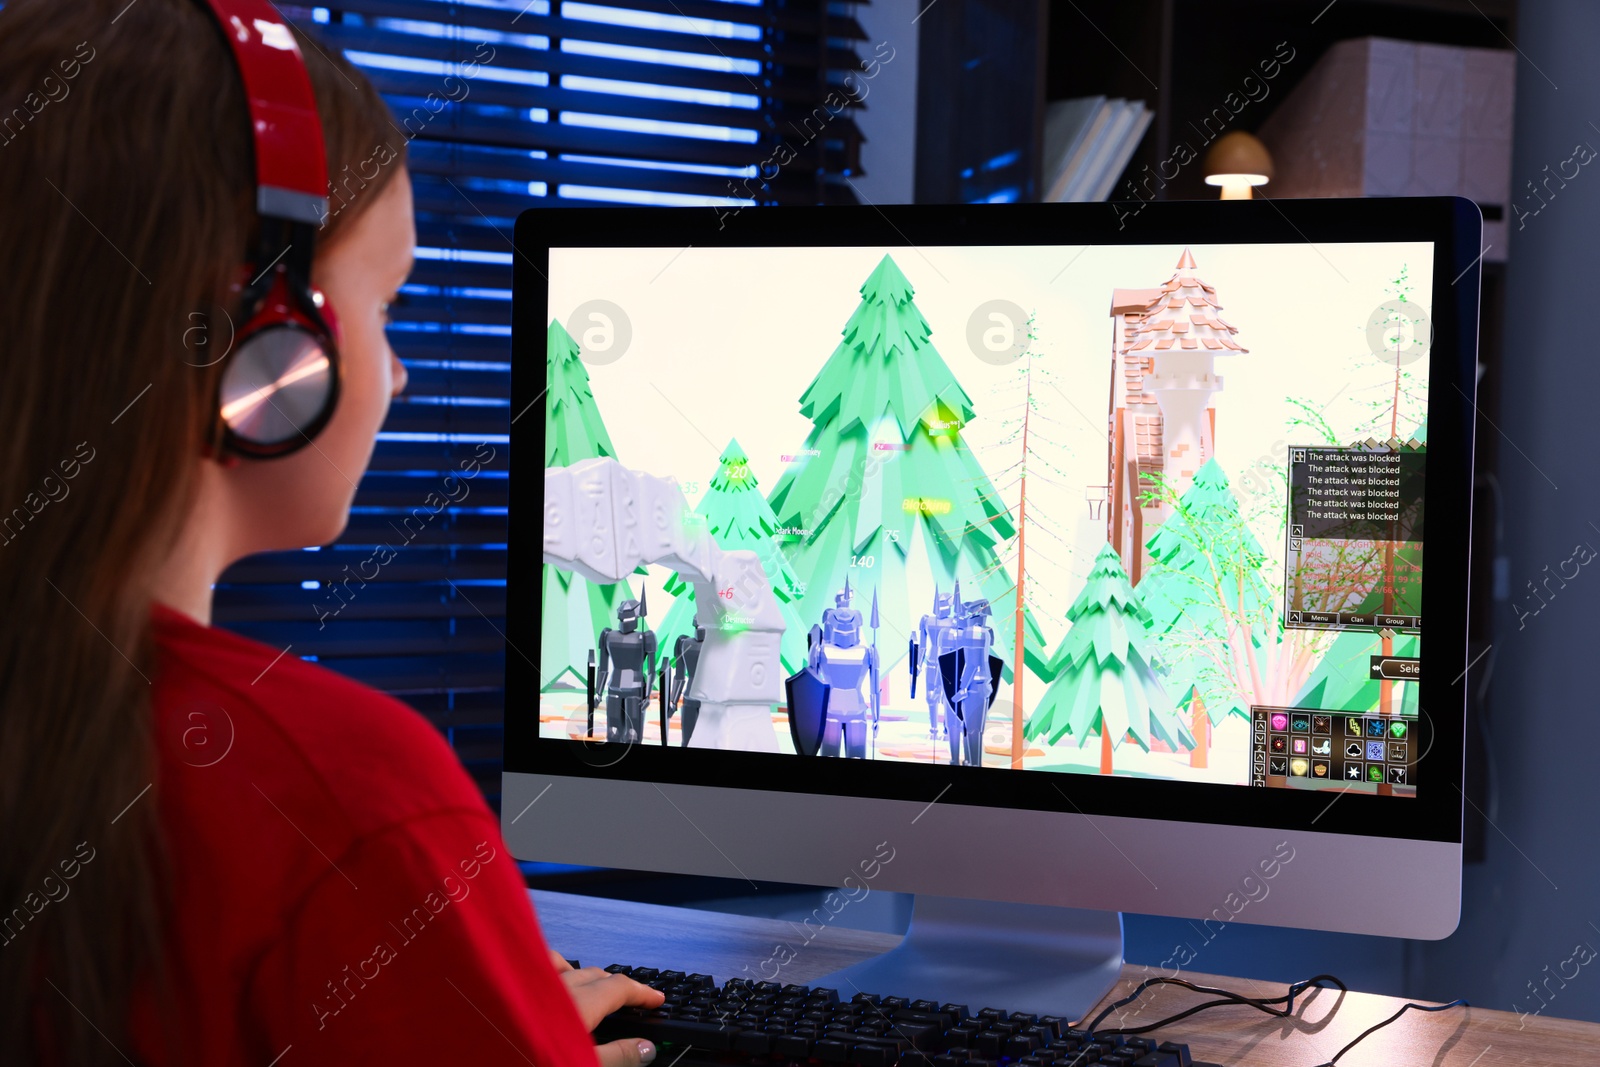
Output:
x=1107 y=673
x=1205 y=574
x=738 y=517
x=894 y=500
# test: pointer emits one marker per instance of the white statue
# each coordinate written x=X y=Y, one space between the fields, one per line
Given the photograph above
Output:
x=602 y=520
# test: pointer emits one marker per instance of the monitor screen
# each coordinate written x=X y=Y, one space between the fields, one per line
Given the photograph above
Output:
x=1150 y=510
x=1075 y=551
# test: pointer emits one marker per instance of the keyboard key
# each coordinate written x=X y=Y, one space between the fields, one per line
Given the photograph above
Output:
x=619 y=968
x=1175 y=1049
x=831 y=1050
x=753 y=1043
x=957 y=1011
x=796 y=1045
x=1018 y=1045
x=706 y=1035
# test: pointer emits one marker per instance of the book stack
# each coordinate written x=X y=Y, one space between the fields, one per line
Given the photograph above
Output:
x=1087 y=144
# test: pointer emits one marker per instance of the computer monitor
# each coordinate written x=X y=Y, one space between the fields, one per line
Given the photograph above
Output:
x=1066 y=557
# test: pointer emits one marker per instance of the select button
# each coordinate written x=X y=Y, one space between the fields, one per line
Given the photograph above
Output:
x=1397 y=668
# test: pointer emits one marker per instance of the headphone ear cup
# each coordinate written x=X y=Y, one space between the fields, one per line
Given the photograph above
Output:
x=278 y=389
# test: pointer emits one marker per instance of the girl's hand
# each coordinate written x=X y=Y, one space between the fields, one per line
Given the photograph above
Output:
x=598 y=993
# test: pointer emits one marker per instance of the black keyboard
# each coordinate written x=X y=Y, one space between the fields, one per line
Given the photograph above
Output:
x=775 y=1025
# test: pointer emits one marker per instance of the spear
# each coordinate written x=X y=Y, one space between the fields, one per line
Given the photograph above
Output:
x=876 y=694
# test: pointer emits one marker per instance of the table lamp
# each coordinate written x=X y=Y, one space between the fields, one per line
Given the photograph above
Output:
x=1237 y=161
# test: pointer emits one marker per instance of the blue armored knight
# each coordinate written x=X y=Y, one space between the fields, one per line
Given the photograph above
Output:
x=934 y=637
x=971 y=676
x=832 y=697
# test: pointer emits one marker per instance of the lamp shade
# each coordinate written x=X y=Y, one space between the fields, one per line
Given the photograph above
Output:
x=1237 y=161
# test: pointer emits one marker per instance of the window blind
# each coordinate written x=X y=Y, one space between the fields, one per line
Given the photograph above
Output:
x=724 y=104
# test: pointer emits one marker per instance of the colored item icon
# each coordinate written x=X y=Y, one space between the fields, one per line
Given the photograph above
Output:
x=1280 y=744
x=1375 y=728
x=1321 y=724
x=1322 y=746
x=1375 y=750
x=1298 y=746
x=1301 y=724
x=1397 y=729
x=1352 y=727
x=1319 y=768
x=1299 y=768
x=1375 y=773
x=1280 y=721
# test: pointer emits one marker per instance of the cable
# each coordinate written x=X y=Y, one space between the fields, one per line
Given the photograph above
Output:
x=1263 y=1004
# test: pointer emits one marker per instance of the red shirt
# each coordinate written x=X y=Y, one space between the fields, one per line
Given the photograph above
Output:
x=340 y=885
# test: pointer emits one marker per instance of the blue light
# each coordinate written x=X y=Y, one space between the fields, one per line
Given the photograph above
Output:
x=650 y=91
x=657 y=55
x=446 y=438
x=319 y=14
x=1004 y=196
x=312 y=584
x=645 y=196
x=1005 y=159
x=658 y=126
x=462 y=33
x=648 y=20
x=464 y=255
x=413 y=65
x=457 y=401
x=652 y=164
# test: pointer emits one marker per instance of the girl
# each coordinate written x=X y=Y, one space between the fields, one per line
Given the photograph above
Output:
x=212 y=852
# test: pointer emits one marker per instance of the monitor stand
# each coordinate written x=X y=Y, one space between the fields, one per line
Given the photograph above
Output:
x=985 y=954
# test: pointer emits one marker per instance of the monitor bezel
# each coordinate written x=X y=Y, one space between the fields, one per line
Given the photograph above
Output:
x=1452 y=224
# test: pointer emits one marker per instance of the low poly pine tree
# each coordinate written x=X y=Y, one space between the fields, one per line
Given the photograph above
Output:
x=894 y=501
x=1204 y=577
x=738 y=517
x=575 y=609
x=1107 y=675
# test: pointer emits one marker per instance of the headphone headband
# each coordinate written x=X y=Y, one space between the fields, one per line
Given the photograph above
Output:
x=291 y=165
x=281 y=381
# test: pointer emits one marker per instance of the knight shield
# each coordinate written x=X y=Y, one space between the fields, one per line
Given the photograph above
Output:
x=808 y=710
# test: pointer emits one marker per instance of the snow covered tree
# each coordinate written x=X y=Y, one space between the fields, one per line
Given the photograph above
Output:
x=738 y=517
x=892 y=497
x=575 y=609
x=1107 y=675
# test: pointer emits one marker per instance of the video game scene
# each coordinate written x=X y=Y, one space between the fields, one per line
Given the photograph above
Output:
x=1143 y=510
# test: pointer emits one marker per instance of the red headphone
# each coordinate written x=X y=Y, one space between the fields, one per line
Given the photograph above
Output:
x=281 y=381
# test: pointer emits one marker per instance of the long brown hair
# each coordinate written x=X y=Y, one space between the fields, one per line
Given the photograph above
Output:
x=126 y=178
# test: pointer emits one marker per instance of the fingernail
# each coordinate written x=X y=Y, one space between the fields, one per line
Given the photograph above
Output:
x=647 y=1052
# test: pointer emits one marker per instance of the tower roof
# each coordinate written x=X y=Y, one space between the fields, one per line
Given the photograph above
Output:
x=1181 y=315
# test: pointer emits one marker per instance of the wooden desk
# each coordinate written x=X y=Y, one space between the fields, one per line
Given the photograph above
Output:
x=600 y=932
